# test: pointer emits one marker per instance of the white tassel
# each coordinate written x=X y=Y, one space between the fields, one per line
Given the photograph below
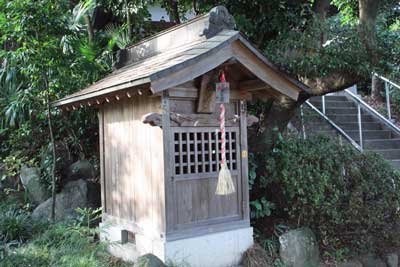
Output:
x=225 y=184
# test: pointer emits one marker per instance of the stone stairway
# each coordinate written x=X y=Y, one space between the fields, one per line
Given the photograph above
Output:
x=376 y=136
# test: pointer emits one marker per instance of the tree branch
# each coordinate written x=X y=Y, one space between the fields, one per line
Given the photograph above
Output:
x=334 y=82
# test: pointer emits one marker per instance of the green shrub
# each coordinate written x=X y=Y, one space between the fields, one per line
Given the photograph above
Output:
x=348 y=198
x=17 y=226
x=14 y=225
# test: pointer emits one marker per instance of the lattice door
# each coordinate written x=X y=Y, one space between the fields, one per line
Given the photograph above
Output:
x=197 y=150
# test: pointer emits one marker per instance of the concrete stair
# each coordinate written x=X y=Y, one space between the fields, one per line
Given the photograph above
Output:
x=376 y=136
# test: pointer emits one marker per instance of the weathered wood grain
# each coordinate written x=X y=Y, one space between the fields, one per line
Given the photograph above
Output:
x=134 y=163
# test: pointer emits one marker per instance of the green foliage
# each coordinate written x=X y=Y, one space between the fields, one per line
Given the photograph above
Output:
x=348 y=198
x=45 y=42
x=16 y=225
x=297 y=52
x=87 y=216
x=261 y=208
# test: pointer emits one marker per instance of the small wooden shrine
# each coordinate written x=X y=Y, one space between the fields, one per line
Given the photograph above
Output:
x=160 y=141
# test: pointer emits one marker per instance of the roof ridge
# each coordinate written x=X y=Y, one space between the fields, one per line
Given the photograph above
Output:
x=173 y=28
x=200 y=28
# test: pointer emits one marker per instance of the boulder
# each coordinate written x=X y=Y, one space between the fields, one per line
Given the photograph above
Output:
x=149 y=260
x=371 y=260
x=299 y=248
x=30 y=179
x=74 y=195
x=392 y=260
x=81 y=169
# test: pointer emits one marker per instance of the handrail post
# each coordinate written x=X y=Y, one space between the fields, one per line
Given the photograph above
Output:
x=323 y=104
x=302 y=122
x=359 y=125
x=389 y=114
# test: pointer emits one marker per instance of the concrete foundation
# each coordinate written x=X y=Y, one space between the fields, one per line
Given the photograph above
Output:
x=221 y=249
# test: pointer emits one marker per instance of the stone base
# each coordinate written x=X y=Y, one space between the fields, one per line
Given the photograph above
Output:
x=220 y=249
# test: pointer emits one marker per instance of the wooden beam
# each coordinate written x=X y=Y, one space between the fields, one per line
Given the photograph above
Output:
x=206 y=103
x=264 y=72
x=154 y=119
x=194 y=120
x=253 y=85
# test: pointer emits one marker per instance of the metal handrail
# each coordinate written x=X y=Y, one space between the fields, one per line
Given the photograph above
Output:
x=360 y=105
x=334 y=125
x=387 y=92
x=387 y=80
x=366 y=106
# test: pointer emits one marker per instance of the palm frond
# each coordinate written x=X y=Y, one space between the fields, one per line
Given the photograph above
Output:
x=80 y=10
x=118 y=36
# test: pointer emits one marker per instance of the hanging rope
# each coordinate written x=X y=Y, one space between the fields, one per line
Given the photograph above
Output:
x=225 y=184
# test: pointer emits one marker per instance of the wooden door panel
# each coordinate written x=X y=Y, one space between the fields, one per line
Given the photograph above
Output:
x=197 y=201
x=196 y=166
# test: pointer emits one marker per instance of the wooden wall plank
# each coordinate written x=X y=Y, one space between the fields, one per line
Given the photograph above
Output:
x=101 y=148
x=134 y=163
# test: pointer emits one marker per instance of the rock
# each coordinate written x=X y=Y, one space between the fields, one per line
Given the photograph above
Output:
x=392 y=260
x=30 y=178
x=149 y=260
x=370 y=260
x=299 y=248
x=74 y=195
x=350 y=263
x=81 y=169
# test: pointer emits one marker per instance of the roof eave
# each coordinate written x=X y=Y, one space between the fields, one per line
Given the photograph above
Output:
x=101 y=92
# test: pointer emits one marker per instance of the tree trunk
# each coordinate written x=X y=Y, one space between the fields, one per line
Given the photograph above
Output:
x=53 y=167
x=90 y=29
x=367 y=27
x=321 y=8
x=128 y=20
x=377 y=88
x=274 y=118
x=174 y=11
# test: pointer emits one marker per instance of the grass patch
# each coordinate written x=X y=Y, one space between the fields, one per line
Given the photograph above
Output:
x=33 y=243
x=62 y=245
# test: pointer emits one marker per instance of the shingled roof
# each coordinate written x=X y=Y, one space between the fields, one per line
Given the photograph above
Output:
x=202 y=44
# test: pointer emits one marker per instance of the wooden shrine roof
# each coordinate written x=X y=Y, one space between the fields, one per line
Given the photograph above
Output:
x=183 y=62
